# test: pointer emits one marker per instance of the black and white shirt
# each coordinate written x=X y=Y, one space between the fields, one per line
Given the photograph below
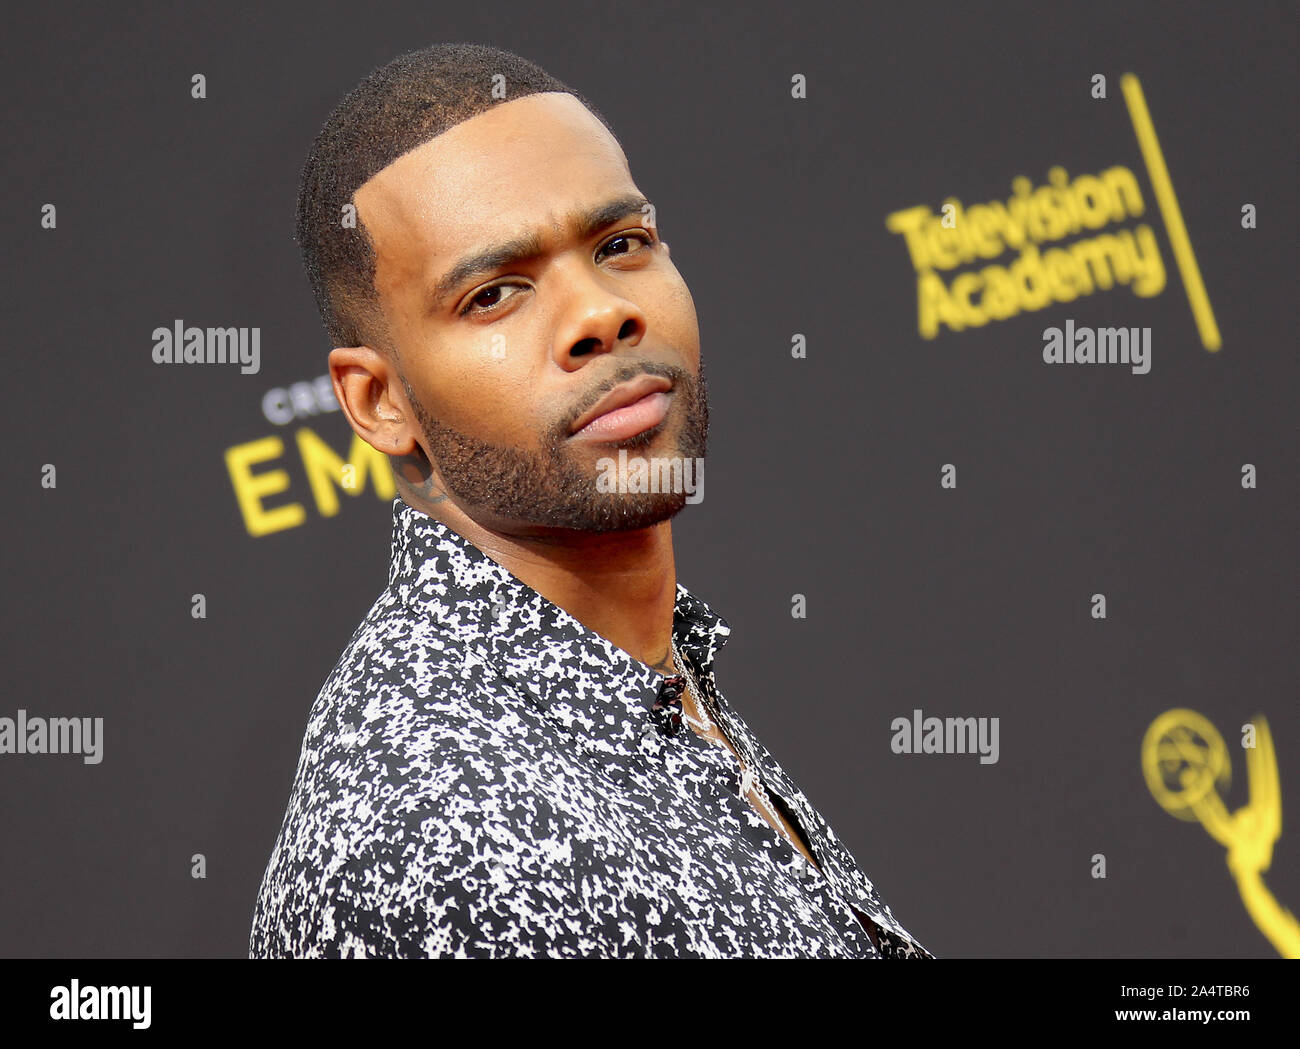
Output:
x=482 y=777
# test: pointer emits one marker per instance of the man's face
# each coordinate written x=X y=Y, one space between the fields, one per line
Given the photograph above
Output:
x=498 y=362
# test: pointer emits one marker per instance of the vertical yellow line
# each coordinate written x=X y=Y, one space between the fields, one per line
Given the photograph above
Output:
x=1178 y=239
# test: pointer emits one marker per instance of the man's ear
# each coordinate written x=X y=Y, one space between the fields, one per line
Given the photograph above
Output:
x=364 y=384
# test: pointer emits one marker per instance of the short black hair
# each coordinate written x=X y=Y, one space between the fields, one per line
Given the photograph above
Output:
x=396 y=108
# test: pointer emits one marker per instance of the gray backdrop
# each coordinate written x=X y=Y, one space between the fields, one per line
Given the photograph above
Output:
x=823 y=475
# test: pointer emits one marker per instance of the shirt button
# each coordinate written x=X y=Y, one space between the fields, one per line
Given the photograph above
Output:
x=666 y=714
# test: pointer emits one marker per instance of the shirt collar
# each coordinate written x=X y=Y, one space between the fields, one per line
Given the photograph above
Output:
x=575 y=675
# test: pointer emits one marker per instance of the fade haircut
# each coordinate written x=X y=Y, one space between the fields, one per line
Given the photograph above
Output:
x=398 y=107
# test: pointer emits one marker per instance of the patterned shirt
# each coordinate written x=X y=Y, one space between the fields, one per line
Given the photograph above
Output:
x=482 y=776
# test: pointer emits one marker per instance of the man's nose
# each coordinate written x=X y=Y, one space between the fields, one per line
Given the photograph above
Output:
x=596 y=318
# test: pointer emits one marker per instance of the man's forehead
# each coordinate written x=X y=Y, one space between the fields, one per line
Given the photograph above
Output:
x=521 y=164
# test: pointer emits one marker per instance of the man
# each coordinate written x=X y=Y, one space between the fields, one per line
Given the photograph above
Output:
x=522 y=751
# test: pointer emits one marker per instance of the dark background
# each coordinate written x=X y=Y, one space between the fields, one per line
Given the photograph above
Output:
x=823 y=474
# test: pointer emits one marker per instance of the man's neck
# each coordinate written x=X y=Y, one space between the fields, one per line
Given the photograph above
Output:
x=620 y=585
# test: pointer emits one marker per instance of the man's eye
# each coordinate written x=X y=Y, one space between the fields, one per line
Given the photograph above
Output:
x=488 y=299
x=645 y=238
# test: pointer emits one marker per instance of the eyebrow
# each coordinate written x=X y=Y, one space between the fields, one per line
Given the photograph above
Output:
x=586 y=222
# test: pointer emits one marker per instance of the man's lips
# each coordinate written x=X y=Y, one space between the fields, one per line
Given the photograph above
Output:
x=626 y=410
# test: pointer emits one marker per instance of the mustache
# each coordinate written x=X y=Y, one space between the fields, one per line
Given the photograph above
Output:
x=679 y=377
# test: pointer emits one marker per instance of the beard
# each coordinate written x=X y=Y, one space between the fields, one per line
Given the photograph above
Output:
x=556 y=486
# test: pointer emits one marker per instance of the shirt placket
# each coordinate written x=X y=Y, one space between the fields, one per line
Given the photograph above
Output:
x=814 y=882
x=837 y=866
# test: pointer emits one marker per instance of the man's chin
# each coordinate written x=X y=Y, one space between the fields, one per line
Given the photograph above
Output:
x=644 y=515
x=620 y=513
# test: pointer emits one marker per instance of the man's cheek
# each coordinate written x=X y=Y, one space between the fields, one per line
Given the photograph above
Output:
x=681 y=318
x=497 y=421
